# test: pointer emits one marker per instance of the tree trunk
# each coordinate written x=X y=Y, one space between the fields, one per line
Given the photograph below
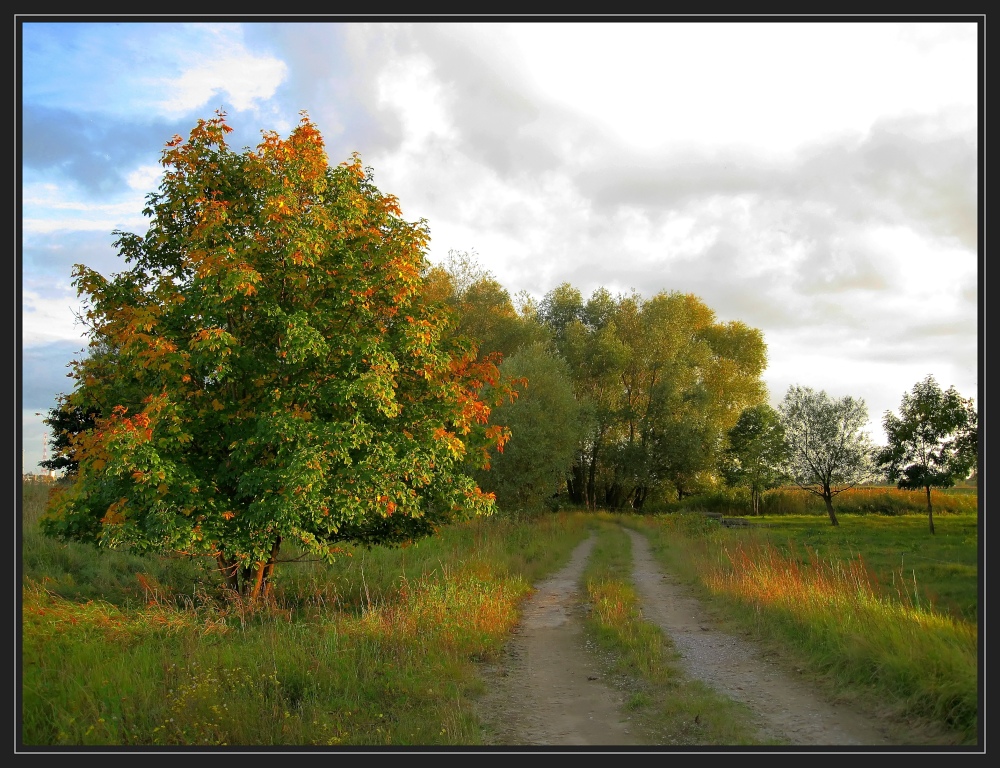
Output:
x=828 y=500
x=639 y=497
x=930 y=512
x=591 y=481
x=575 y=485
x=252 y=582
x=262 y=581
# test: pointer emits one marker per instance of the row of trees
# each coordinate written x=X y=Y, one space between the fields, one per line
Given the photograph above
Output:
x=625 y=399
x=277 y=361
x=819 y=443
x=622 y=399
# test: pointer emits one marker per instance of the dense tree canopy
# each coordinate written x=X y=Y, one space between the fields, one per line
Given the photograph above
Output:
x=287 y=377
x=829 y=451
x=932 y=442
x=662 y=382
x=545 y=423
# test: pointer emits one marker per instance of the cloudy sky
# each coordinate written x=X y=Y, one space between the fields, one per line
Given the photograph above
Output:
x=815 y=179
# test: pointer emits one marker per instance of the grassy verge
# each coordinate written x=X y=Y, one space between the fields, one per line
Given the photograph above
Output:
x=668 y=708
x=875 y=645
x=380 y=649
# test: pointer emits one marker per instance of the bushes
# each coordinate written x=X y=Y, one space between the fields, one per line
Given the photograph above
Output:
x=728 y=501
x=789 y=500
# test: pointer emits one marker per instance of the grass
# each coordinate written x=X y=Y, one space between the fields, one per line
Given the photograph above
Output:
x=863 y=500
x=865 y=637
x=380 y=649
x=939 y=572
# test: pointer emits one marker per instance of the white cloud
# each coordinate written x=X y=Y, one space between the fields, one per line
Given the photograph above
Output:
x=145 y=178
x=244 y=79
x=52 y=207
x=47 y=319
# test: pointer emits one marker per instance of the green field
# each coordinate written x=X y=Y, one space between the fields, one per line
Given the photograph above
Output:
x=381 y=648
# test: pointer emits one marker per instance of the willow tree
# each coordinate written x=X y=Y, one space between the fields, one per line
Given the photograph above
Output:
x=829 y=450
x=661 y=380
x=296 y=384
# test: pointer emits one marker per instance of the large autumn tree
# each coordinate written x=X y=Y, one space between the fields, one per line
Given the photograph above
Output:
x=287 y=377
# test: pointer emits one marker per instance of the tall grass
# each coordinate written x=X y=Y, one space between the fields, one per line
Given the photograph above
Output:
x=379 y=649
x=875 y=500
x=863 y=638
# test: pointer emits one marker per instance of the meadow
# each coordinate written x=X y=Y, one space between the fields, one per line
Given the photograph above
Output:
x=876 y=610
x=382 y=648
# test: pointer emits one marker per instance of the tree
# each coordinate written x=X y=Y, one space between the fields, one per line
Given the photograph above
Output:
x=933 y=441
x=662 y=382
x=545 y=423
x=483 y=310
x=756 y=453
x=828 y=450
x=296 y=383
x=65 y=421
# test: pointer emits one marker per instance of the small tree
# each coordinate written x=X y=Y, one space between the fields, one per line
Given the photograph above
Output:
x=65 y=421
x=75 y=416
x=828 y=450
x=757 y=452
x=933 y=441
x=293 y=380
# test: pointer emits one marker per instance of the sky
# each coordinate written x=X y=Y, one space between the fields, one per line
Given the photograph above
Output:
x=815 y=178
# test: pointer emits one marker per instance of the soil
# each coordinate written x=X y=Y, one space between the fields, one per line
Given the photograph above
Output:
x=549 y=687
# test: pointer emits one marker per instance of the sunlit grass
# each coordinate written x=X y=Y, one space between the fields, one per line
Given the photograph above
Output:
x=862 y=500
x=860 y=633
x=379 y=649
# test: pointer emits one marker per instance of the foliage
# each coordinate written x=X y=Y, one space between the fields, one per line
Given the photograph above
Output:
x=482 y=310
x=828 y=450
x=756 y=453
x=66 y=420
x=296 y=383
x=545 y=424
x=662 y=382
x=933 y=441
x=76 y=415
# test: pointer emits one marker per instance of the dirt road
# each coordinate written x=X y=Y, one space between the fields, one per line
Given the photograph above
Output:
x=548 y=689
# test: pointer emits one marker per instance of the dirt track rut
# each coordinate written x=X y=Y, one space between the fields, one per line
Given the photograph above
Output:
x=548 y=689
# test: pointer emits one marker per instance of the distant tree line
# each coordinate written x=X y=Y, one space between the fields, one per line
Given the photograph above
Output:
x=626 y=400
